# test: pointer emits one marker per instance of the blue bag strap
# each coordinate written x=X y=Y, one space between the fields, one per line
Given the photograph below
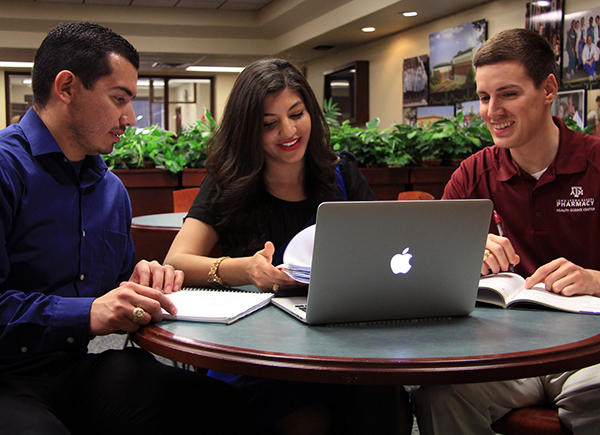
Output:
x=339 y=181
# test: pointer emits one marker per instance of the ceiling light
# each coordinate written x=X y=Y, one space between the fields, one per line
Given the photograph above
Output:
x=368 y=29
x=146 y=83
x=409 y=14
x=16 y=64
x=231 y=69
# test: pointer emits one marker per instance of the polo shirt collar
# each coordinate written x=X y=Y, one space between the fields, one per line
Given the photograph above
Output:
x=569 y=159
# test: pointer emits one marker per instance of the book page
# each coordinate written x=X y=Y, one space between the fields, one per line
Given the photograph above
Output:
x=576 y=304
x=507 y=285
x=300 y=249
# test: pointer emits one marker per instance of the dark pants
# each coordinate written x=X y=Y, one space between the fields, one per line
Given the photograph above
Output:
x=116 y=392
x=353 y=409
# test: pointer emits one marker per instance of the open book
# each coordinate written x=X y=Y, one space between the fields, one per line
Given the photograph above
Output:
x=215 y=306
x=508 y=289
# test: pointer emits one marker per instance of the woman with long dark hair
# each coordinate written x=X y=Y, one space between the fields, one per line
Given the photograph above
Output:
x=270 y=166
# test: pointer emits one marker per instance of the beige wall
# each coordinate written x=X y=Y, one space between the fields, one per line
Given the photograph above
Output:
x=386 y=56
x=223 y=85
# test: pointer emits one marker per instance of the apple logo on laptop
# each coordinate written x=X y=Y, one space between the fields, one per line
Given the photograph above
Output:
x=400 y=263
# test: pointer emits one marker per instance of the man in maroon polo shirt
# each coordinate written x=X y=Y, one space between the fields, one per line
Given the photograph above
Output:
x=544 y=180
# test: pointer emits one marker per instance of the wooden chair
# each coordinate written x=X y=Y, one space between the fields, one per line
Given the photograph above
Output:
x=412 y=195
x=531 y=421
x=183 y=199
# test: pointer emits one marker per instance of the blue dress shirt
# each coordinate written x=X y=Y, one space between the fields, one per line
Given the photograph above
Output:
x=64 y=238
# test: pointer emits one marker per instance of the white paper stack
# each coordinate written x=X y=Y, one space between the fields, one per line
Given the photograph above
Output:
x=297 y=257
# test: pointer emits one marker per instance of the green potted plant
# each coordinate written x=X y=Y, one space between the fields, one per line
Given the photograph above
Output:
x=193 y=146
x=379 y=154
x=451 y=140
x=408 y=139
x=145 y=148
x=147 y=162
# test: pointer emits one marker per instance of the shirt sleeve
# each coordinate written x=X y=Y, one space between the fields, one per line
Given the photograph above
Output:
x=199 y=209
x=31 y=323
x=355 y=183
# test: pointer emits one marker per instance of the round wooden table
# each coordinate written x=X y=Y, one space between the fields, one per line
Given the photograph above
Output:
x=491 y=344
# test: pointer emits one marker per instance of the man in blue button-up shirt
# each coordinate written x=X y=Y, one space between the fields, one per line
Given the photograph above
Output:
x=67 y=262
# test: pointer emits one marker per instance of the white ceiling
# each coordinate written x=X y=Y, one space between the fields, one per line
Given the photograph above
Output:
x=172 y=34
x=243 y=5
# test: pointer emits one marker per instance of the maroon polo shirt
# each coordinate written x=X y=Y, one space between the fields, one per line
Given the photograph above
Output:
x=555 y=216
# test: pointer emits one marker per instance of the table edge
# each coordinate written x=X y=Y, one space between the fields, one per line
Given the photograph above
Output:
x=369 y=371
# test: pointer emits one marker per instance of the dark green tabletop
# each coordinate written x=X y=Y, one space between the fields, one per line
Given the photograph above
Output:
x=490 y=344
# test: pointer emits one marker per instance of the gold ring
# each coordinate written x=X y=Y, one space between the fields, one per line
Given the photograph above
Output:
x=275 y=287
x=138 y=315
x=486 y=255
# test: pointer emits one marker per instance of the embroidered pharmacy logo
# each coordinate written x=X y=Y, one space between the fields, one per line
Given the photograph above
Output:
x=577 y=203
x=576 y=191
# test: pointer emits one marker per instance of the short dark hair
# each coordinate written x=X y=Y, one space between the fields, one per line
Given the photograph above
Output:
x=521 y=45
x=82 y=48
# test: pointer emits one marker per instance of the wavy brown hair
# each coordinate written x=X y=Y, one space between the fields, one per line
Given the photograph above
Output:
x=236 y=157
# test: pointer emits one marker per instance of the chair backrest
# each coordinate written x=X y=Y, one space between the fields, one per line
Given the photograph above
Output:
x=412 y=195
x=183 y=199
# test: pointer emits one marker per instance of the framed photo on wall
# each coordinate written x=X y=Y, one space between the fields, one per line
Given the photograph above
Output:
x=570 y=105
x=470 y=110
x=415 y=83
x=582 y=47
x=410 y=116
x=451 y=71
x=431 y=114
x=593 y=111
x=546 y=18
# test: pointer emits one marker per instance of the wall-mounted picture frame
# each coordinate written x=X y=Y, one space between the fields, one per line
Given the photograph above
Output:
x=431 y=114
x=546 y=18
x=470 y=110
x=581 y=53
x=570 y=105
x=451 y=71
x=415 y=81
x=409 y=116
x=593 y=110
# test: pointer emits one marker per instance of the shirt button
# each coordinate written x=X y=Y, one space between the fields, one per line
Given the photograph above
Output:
x=81 y=277
x=538 y=214
x=84 y=233
x=70 y=340
x=23 y=349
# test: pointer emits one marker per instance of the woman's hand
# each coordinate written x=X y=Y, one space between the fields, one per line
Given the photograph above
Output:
x=265 y=276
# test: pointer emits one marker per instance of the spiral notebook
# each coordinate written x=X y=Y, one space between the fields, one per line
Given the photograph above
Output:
x=215 y=306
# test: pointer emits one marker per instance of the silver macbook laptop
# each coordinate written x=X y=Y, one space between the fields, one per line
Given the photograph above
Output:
x=387 y=260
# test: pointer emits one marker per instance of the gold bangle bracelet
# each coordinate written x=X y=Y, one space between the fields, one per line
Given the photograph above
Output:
x=213 y=277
